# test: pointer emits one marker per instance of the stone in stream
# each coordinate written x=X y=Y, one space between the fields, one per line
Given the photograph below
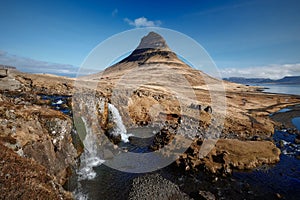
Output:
x=207 y=195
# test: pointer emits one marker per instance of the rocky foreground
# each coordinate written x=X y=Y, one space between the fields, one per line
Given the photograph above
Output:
x=40 y=147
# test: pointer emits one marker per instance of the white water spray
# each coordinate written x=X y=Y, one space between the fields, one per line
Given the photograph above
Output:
x=89 y=158
x=119 y=129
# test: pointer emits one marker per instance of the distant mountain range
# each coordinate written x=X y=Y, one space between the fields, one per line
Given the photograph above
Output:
x=251 y=81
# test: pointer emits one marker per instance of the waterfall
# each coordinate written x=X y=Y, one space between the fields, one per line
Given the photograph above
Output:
x=119 y=128
x=89 y=158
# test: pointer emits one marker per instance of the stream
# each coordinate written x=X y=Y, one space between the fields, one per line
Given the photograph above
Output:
x=94 y=180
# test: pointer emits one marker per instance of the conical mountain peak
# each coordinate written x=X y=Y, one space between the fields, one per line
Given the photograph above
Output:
x=153 y=41
x=152 y=48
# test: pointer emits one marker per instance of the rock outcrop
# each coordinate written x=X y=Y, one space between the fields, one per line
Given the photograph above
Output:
x=37 y=150
x=229 y=154
x=40 y=133
x=25 y=178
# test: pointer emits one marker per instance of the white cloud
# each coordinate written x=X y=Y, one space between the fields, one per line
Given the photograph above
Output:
x=114 y=12
x=142 y=22
x=270 y=71
x=36 y=66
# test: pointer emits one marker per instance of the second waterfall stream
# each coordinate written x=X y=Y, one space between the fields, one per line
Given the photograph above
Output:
x=90 y=158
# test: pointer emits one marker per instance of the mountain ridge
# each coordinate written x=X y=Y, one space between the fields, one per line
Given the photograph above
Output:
x=285 y=80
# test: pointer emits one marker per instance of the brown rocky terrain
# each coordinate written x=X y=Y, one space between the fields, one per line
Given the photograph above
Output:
x=38 y=147
x=152 y=86
x=24 y=178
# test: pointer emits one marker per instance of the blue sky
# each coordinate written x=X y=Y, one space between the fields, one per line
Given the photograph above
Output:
x=252 y=38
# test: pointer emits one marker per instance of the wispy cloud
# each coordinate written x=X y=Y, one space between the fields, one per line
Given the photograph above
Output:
x=142 y=22
x=114 y=12
x=270 y=71
x=36 y=66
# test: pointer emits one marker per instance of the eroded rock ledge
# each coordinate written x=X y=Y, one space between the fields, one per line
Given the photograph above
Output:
x=229 y=154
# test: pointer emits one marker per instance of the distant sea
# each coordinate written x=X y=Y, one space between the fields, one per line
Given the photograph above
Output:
x=282 y=89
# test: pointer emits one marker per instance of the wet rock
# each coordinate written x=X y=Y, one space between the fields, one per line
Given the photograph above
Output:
x=116 y=139
x=278 y=196
x=207 y=195
x=162 y=138
x=281 y=143
x=297 y=140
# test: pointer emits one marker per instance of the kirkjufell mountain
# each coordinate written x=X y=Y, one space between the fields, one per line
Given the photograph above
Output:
x=152 y=48
x=153 y=56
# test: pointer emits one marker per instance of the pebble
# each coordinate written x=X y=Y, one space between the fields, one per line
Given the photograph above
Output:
x=278 y=196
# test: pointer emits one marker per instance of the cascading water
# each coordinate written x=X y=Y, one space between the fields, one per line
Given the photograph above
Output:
x=119 y=128
x=89 y=158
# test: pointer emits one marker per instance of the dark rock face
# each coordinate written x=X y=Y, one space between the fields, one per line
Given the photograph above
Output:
x=151 y=46
x=153 y=41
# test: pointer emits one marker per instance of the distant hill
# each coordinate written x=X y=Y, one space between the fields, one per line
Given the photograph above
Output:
x=289 y=80
x=285 y=80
